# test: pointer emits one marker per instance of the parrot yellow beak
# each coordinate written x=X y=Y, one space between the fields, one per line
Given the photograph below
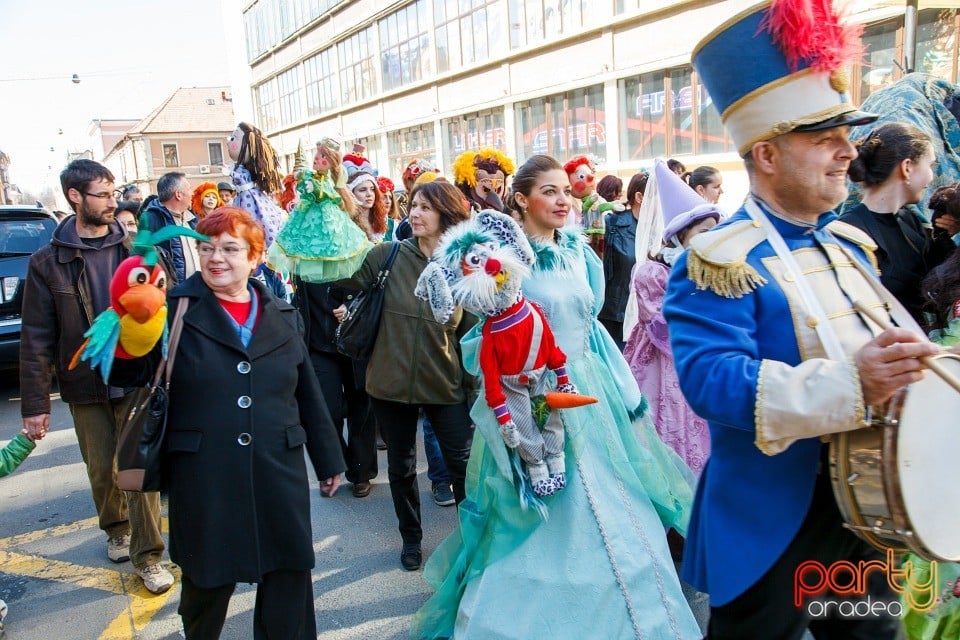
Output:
x=142 y=301
x=500 y=278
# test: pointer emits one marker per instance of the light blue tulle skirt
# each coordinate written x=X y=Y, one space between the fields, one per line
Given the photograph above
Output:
x=598 y=567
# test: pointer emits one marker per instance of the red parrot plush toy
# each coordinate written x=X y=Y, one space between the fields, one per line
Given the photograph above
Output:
x=137 y=316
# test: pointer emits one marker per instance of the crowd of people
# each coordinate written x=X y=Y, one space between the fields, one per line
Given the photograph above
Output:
x=713 y=354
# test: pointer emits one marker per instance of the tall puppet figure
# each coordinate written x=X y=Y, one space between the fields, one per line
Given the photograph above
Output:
x=320 y=242
x=482 y=176
x=256 y=174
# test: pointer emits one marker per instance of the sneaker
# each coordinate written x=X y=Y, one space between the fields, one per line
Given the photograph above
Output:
x=443 y=494
x=411 y=557
x=118 y=548
x=156 y=578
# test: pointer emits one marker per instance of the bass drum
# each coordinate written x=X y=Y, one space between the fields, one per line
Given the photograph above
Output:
x=894 y=480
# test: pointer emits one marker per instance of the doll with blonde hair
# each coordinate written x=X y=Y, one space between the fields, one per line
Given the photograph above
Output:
x=320 y=242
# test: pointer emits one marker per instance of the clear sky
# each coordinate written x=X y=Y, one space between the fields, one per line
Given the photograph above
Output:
x=130 y=56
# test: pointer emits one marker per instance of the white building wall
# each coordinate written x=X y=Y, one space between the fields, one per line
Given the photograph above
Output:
x=654 y=36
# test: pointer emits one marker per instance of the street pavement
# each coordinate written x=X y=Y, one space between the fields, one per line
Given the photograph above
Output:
x=59 y=584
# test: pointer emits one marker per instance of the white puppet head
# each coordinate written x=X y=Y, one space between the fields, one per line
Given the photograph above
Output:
x=479 y=265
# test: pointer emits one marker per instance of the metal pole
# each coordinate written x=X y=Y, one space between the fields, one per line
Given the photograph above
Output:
x=910 y=36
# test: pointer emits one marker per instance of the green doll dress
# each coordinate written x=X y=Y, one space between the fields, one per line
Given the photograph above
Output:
x=319 y=243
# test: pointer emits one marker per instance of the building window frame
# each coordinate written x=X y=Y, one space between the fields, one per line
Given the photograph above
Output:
x=290 y=95
x=321 y=82
x=469 y=33
x=895 y=26
x=675 y=99
x=405 y=46
x=403 y=145
x=358 y=74
x=485 y=128
x=552 y=123
x=171 y=160
x=216 y=159
x=266 y=104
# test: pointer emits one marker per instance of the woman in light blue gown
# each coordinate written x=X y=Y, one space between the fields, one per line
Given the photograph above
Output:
x=599 y=565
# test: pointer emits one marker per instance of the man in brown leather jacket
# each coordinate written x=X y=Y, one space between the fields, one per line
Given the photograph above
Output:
x=67 y=286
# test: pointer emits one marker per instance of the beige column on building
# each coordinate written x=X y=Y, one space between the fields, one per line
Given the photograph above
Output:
x=611 y=124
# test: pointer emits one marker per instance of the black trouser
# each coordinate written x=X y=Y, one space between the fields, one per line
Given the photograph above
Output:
x=766 y=611
x=343 y=390
x=283 y=609
x=398 y=426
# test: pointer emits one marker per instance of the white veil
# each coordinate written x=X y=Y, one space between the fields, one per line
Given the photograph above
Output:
x=649 y=241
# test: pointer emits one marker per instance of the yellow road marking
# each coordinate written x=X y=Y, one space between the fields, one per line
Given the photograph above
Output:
x=52 y=532
x=141 y=605
x=62 y=572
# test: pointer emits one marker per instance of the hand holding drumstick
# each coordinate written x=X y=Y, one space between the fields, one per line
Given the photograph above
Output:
x=894 y=359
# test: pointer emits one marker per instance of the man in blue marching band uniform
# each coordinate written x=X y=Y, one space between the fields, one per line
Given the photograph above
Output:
x=768 y=345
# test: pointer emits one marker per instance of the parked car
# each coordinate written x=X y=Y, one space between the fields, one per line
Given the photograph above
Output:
x=23 y=230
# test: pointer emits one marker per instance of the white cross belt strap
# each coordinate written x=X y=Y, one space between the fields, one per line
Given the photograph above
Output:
x=828 y=337
x=535 y=340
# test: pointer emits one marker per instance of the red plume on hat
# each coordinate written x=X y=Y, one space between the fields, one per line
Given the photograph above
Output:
x=813 y=31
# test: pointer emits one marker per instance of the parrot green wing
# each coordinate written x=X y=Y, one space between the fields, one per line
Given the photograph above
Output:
x=101 y=345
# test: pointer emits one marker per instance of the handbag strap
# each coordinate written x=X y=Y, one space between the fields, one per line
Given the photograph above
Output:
x=384 y=272
x=166 y=364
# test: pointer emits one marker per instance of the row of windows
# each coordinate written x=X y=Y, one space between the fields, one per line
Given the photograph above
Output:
x=481 y=24
x=468 y=31
x=268 y=22
x=171 y=154
x=666 y=113
x=662 y=113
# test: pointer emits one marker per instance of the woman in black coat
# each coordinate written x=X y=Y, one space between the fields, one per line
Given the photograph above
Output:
x=244 y=402
x=619 y=256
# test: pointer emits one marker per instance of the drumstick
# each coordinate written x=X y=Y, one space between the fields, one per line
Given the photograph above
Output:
x=928 y=362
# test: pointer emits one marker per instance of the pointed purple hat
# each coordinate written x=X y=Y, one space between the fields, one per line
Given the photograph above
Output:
x=681 y=205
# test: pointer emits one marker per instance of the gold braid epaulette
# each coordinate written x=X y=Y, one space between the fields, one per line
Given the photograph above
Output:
x=717 y=260
x=859 y=237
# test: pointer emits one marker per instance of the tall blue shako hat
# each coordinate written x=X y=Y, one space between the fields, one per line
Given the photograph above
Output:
x=779 y=67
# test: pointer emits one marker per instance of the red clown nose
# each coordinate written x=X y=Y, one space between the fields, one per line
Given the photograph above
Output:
x=492 y=267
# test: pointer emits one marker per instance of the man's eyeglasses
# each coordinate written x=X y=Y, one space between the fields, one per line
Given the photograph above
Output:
x=229 y=251
x=103 y=196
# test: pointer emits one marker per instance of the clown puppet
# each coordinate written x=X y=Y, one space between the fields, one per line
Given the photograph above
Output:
x=592 y=207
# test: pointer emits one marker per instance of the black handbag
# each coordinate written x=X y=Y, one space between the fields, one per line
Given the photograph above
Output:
x=358 y=331
x=140 y=442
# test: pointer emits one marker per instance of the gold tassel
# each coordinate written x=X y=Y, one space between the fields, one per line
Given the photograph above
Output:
x=727 y=281
x=871 y=254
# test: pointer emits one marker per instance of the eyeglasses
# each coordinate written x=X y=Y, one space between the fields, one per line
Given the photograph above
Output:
x=103 y=196
x=229 y=251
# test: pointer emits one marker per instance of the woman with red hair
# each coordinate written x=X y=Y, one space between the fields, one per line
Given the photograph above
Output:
x=244 y=403
x=206 y=198
x=386 y=188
